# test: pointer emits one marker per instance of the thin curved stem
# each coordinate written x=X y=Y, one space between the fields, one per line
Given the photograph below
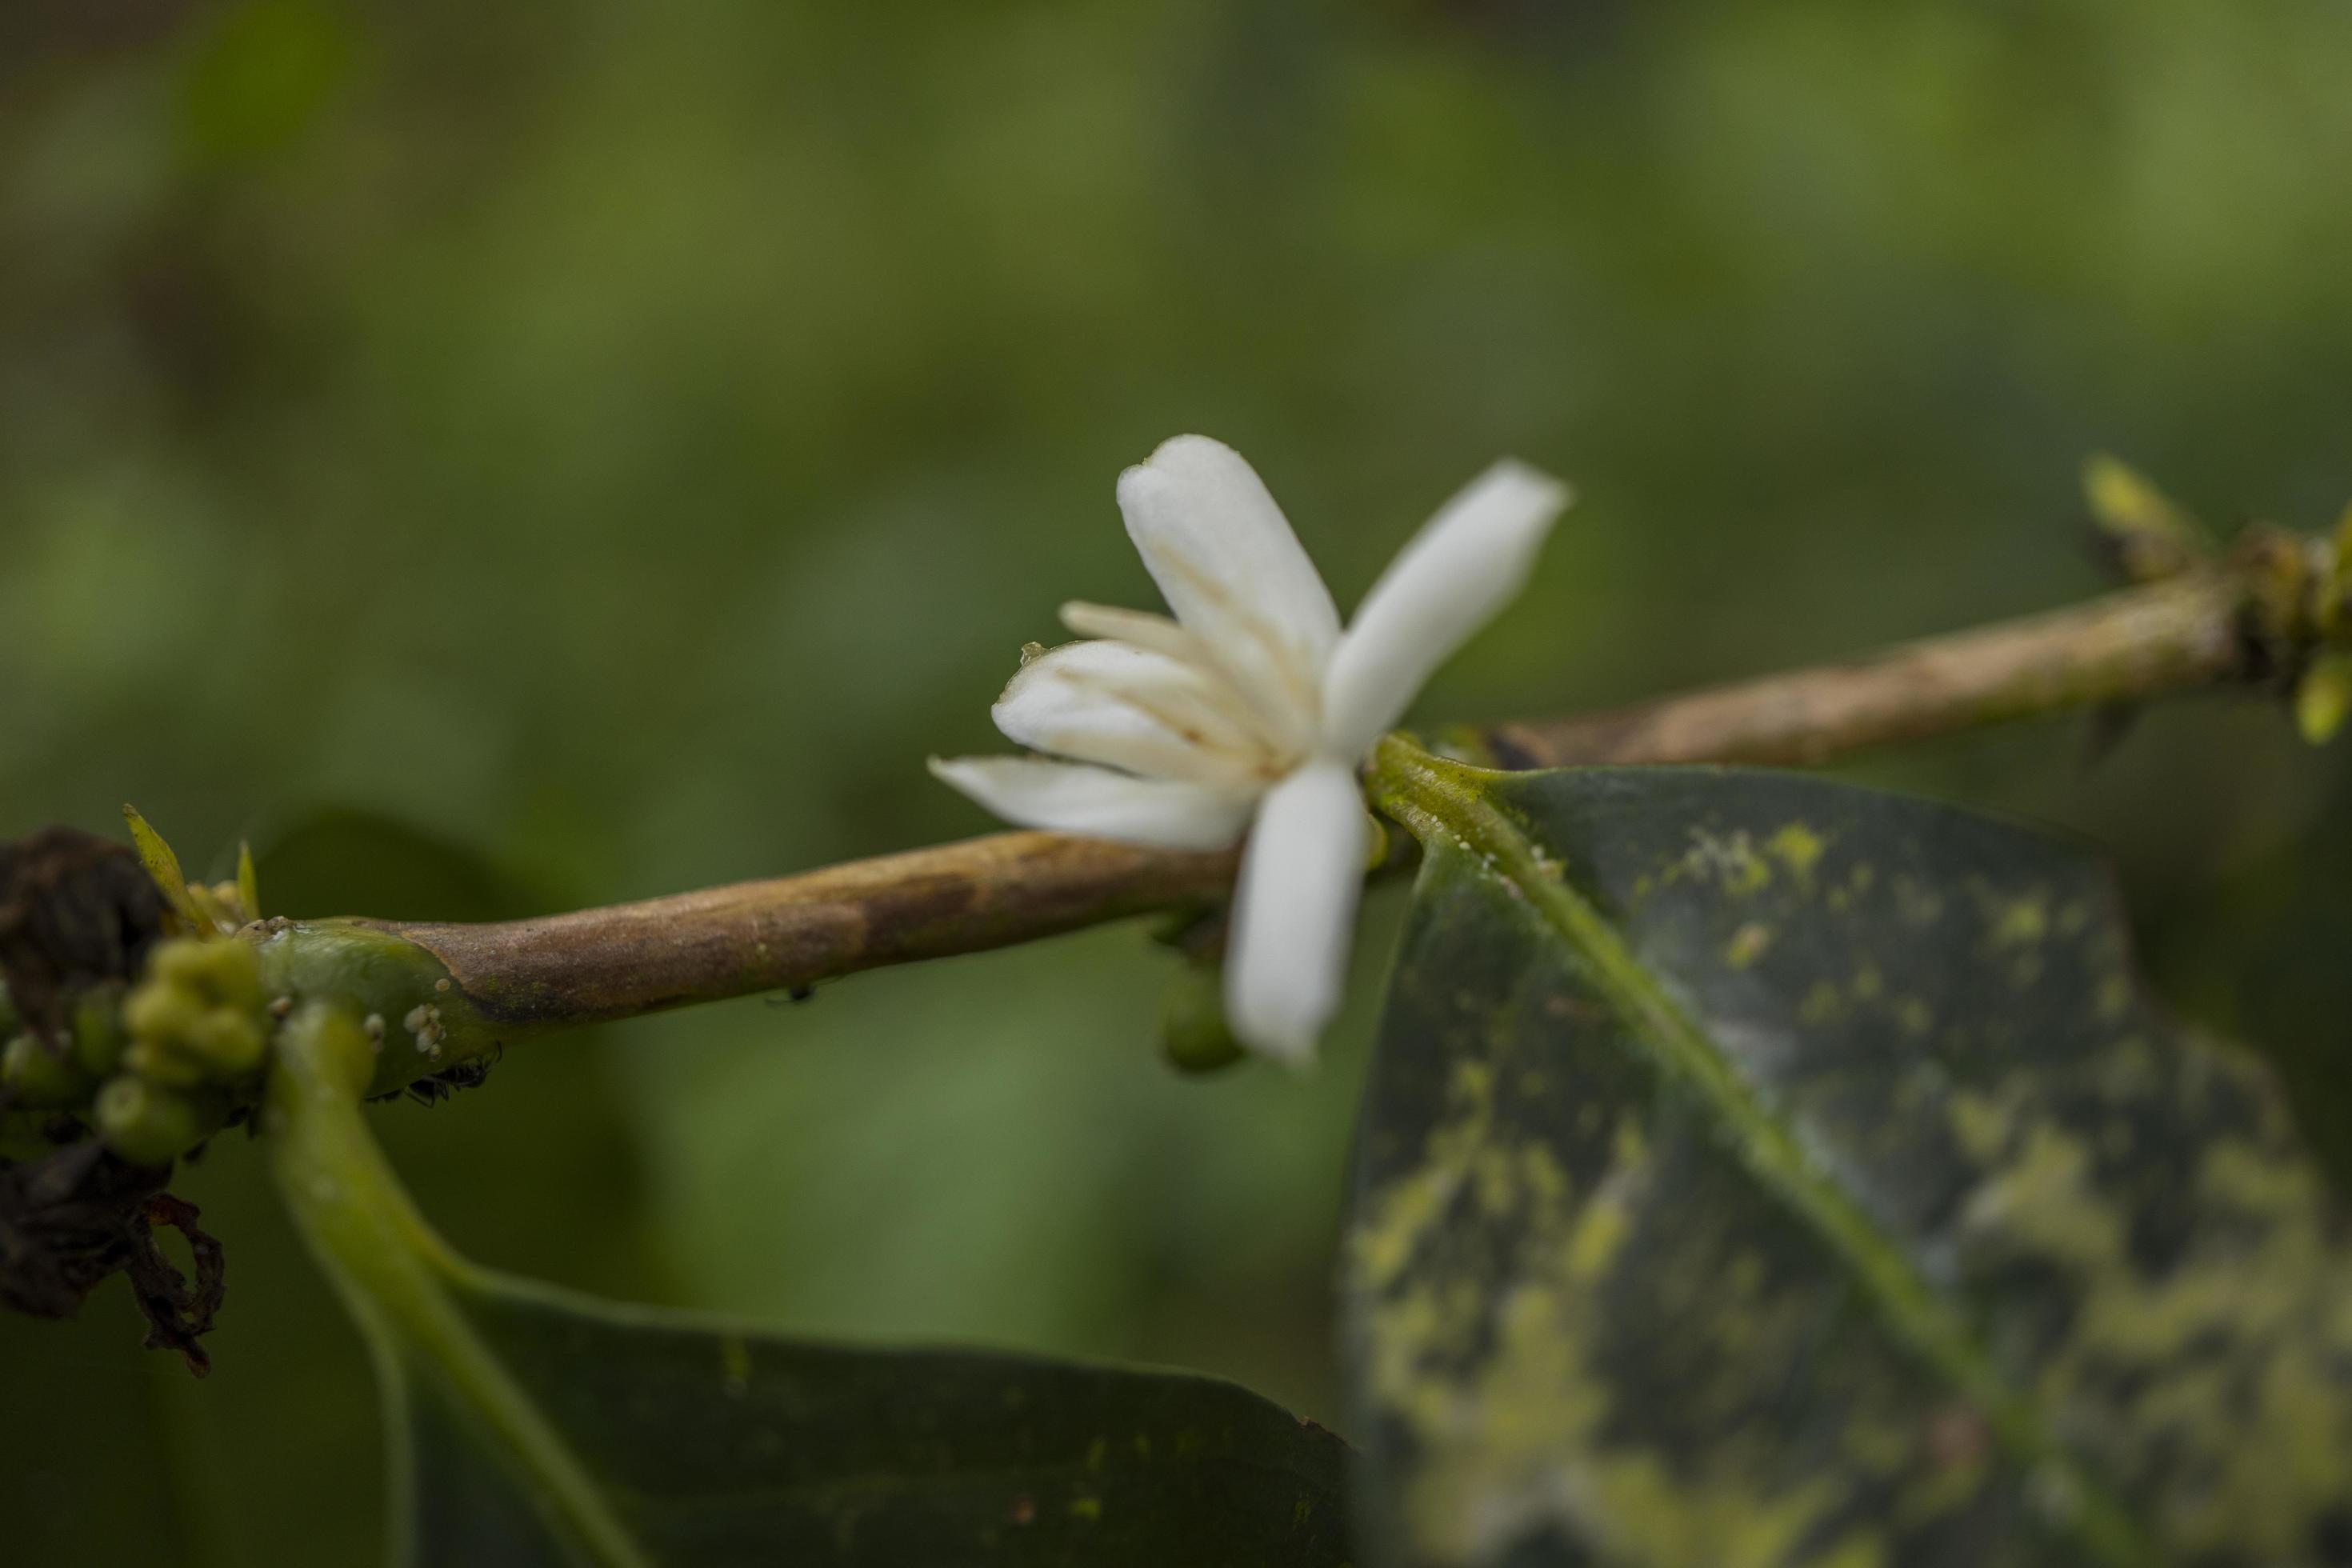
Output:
x=402 y=1282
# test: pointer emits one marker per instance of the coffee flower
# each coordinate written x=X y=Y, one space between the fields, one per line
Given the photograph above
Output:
x=1251 y=709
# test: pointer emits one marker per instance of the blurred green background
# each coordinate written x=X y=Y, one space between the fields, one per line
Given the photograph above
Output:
x=619 y=442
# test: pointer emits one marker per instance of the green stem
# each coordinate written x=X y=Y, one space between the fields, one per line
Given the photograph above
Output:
x=426 y=1023
x=402 y=1283
x=1443 y=804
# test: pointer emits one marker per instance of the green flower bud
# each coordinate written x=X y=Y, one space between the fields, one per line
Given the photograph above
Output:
x=160 y=1010
x=197 y=1017
x=146 y=1124
x=97 y=1033
x=1194 y=1034
x=227 y=1041
x=223 y=971
x=168 y=1061
x=41 y=1075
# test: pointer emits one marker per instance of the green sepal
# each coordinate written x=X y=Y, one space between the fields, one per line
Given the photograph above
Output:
x=2324 y=696
x=248 y=881
x=2151 y=536
x=1194 y=1033
x=165 y=868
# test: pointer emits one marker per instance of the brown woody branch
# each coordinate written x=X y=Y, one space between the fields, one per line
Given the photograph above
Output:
x=789 y=931
x=2193 y=632
x=2232 y=625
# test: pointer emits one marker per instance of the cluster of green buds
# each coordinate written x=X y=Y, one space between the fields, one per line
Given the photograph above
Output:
x=2303 y=599
x=60 y=1073
x=195 y=1030
x=159 y=1064
x=156 y=1066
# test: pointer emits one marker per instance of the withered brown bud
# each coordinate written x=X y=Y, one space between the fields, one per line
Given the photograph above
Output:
x=75 y=910
x=73 y=1216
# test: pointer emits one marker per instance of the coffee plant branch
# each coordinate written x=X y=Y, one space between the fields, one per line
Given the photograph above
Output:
x=139 y=1008
x=2170 y=636
x=2261 y=619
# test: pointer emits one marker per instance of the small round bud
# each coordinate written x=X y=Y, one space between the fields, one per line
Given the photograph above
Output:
x=183 y=961
x=162 y=1010
x=40 y=1075
x=225 y=971
x=146 y=1124
x=1194 y=1034
x=98 y=1034
x=228 y=1041
x=167 y=1061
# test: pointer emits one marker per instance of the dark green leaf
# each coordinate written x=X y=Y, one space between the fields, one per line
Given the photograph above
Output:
x=714 y=1447
x=1761 y=1170
x=531 y=1426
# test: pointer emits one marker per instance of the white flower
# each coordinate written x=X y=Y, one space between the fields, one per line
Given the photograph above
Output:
x=1252 y=705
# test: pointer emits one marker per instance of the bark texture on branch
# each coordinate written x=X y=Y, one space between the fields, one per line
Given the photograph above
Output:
x=787 y=932
x=2173 y=636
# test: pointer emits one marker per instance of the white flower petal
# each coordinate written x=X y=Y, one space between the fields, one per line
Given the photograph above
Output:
x=1069 y=797
x=1126 y=707
x=1464 y=564
x=1141 y=627
x=1295 y=911
x=1223 y=556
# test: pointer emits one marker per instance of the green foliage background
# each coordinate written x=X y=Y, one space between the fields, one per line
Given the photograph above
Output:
x=623 y=441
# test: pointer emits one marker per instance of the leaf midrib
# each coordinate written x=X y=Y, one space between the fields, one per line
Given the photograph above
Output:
x=1446 y=806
